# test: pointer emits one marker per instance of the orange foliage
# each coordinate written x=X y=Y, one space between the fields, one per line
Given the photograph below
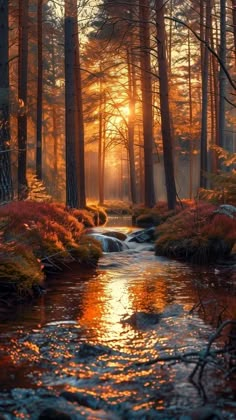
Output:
x=46 y=231
x=197 y=234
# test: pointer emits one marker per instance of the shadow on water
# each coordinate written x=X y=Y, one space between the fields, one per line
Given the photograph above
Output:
x=89 y=338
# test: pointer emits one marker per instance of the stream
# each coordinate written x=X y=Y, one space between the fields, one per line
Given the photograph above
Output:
x=83 y=349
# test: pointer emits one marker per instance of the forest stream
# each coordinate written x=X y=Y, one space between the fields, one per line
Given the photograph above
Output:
x=87 y=347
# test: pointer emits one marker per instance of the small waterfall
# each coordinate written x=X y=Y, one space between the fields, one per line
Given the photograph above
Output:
x=110 y=244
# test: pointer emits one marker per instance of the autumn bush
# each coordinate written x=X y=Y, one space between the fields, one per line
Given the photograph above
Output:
x=45 y=233
x=197 y=234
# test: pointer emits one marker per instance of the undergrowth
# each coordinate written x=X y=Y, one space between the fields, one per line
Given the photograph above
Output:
x=32 y=233
x=197 y=234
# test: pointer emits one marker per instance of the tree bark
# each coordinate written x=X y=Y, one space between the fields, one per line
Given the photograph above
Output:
x=146 y=87
x=80 y=164
x=222 y=78
x=70 y=103
x=131 y=119
x=6 y=188
x=75 y=171
x=22 y=95
x=205 y=73
x=164 y=106
x=100 y=144
x=234 y=25
x=190 y=121
x=39 y=93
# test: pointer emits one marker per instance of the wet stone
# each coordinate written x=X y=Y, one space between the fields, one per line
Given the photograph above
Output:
x=88 y=350
x=143 y=320
x=53 y=414
x=82 y=399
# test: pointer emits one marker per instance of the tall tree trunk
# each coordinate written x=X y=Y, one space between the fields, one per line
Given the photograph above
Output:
x=234 y=25
x=214 y=158
x=80 y=164
x=164 y=105
x=100 y=141
x=205 y=73
x=6 y=188
x=190 y=121
x=70 y=105
x=22 y=95
x=131 y=119
x=222 y=77
x=39 y=92
x=54 y=123
x=71 y=174
x=146 y=87
x=75 y=172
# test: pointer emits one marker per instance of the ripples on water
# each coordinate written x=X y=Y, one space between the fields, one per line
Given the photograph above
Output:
x=93 y=332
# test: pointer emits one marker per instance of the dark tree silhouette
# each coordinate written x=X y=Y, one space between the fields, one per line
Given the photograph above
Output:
x=6 y=189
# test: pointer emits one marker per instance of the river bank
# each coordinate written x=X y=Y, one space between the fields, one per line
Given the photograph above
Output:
x=40 y=238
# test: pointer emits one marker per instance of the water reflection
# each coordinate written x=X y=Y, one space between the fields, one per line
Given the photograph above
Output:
x=76 y=336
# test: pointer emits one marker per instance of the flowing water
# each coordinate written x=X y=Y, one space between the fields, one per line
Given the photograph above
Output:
x=87 y=347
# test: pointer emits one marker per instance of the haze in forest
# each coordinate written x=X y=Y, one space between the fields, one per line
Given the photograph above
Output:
x=116 y=100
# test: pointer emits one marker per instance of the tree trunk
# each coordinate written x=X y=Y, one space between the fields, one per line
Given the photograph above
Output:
x=101 y=134
x=146 y=87
x=215 y=162
x=74 y=111
x=131 y=119
x=164 y=105
x=190 y=121
x=22 y=95
x=70 y=103
x=222 y=77
x=205 y=73
x=54 y=123
x=39 y=92
x=6 y=189
x=80 y=125
x=234 y=25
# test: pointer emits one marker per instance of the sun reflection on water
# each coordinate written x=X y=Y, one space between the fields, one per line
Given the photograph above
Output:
x=87 y=341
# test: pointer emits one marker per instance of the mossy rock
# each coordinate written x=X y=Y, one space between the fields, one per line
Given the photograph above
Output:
x=148 y=220
x=88 y=252
x=195 y=250
x=20 y=270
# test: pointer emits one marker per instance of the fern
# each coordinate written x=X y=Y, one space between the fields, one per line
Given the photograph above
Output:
x=224 y=190
x=228 y=158
x=36 y=189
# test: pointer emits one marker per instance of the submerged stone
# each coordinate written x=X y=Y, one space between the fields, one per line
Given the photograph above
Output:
x=53 y=414
x=142 y=320
x=82 y=399
x=87 y=350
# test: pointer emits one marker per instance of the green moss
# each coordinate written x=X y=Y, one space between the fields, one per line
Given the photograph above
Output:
x=20 y=270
